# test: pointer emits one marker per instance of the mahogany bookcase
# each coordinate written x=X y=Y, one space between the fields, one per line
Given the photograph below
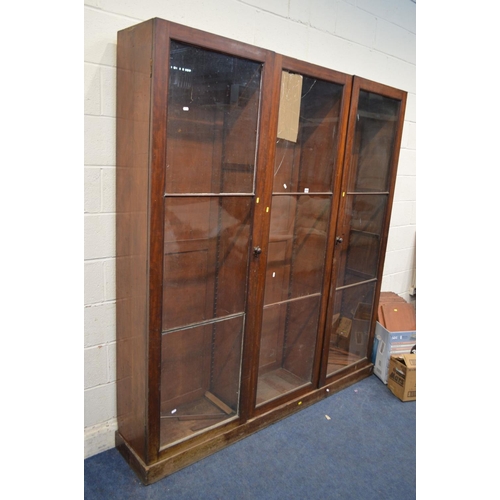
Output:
x=253 y=199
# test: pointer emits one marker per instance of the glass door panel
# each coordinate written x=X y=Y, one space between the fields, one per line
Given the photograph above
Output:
x=376 y=125
x=212 y=121
x=288 y=340
x=205 y=258
x=307 y=165
x=297 y=246
x=362 y=224
x=213 y=112
x=300 y=217
x=360 y=228
x=200 y=377
x=350 y=325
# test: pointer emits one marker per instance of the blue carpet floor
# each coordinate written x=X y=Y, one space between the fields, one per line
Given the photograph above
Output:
x=367 y=450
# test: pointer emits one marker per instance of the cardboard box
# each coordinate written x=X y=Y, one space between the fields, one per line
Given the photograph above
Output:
x=402 y=380
x=360 y=329
x=341 y=334
x=388 y=343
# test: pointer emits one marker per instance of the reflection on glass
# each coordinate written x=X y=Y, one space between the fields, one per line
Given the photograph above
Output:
x=204 y=293
x=206 y=258
x=297 y=243
x=350 y=326
x=308 y=164
x=287 y=347
x=297 y=246
x=362 y=226
x=200 y=374
x=373 y=142
x=212 y=121
x=364 y=214
x=292 y=294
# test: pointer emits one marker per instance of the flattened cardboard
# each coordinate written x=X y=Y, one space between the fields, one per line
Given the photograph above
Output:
x=289 y=110
x=402 y=380
x=387 y=297
x=390 y=297
x=399 y=317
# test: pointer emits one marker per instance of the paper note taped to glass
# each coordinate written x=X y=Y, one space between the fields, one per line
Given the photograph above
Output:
x=289 y=110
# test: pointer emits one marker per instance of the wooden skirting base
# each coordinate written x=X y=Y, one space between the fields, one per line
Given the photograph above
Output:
x=150 y=473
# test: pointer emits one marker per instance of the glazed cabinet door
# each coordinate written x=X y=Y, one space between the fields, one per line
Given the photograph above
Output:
x=305 y=180
x=212 y=124
x=372 y=151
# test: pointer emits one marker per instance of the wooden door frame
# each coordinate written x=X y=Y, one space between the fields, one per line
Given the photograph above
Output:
x=363 y=84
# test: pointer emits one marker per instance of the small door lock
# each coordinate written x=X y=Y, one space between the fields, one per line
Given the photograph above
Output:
x=339 y=240
x=257 y=251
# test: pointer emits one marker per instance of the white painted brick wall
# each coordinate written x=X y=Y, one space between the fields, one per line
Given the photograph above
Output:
x=299 y=11
x=371 y=38
x=99 y=323
x=395 y=41
x=93 y=282
x=279 y=7
x=99 y=146
x=279 y=34
x=96 y=366
x=398 y=12
x=100 y=404
x=92 y=89
x=99 y=233
x=355 y=24
x=323 y=15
